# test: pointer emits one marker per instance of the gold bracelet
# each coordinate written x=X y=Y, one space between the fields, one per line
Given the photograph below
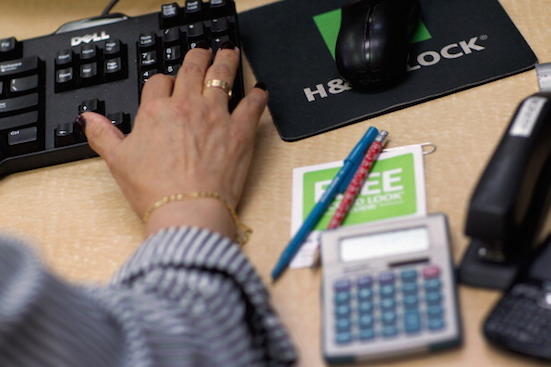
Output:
x=245 y=230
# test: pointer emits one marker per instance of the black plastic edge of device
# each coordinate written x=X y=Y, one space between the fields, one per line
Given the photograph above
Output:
x=76 y=25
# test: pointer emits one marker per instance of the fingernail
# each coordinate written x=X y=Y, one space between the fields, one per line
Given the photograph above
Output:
x=81 y=121
x=202 y=44
x=228 y=45
x=260 y=85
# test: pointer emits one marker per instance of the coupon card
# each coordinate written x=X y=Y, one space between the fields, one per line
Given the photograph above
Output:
x=395 y=187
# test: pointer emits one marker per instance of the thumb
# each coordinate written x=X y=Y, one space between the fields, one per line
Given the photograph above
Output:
x=102 y=136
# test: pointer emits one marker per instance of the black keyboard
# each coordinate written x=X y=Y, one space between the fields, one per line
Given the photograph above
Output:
x=98 y=64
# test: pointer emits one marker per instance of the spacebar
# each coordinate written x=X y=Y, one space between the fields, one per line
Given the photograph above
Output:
x=18 y=103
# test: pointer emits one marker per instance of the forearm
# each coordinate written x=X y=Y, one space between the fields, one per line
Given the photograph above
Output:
x=203 y=271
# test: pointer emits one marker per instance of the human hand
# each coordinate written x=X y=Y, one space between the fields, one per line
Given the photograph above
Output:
x=184 y=140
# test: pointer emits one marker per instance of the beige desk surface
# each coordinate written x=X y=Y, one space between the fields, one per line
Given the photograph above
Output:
x=84 y=228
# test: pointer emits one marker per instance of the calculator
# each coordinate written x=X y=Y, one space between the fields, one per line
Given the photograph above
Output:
x=388 y=290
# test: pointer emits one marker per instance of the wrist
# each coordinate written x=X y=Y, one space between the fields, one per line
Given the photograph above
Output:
x=198 y=209
x=205 y=213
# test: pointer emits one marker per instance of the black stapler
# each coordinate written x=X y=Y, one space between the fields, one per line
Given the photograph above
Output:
x=509 y=204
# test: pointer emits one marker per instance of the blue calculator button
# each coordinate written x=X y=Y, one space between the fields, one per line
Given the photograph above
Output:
x=410 y=288
x=366 y=321
x=389 y=331
x=343 y=338
x=435 y=324
x=435 y=311
x=364 y=281
x=433 y=298
x=365 y=293
x=411 y=301
x=387 y=277
x=388 y=304
x=365 y=307
x=409 y=275
x=387 y=290
x=433 y=284
x=342 y=285
x=366 y=334
x=342 y=297
x=342 y=310
x=343 y=324
x=412 y=321
x=388 y=317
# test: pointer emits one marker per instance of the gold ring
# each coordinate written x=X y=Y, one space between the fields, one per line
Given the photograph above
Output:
x=217 y=83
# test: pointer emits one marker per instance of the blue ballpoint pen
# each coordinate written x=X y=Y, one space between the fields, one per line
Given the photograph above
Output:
x=337 y=185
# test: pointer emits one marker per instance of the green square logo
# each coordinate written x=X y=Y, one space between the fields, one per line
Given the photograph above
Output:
x=389 y=191
x=329 y=24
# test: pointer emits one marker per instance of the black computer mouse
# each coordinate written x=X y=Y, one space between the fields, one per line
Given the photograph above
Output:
x=373 y=42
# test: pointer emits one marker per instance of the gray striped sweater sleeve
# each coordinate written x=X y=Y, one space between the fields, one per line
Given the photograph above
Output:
x=187 y=297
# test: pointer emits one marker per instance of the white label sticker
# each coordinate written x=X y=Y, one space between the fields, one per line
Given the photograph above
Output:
x=527 y=116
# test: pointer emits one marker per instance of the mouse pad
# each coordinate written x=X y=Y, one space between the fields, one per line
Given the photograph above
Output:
x=290 y=46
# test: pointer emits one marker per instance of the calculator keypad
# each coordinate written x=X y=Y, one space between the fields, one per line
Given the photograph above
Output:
x=388 y=305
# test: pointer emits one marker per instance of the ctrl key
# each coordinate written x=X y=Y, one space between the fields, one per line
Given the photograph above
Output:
x=22 y=141
x=67 y=134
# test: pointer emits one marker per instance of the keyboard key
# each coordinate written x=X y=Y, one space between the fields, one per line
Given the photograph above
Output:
x=172 y=54
x=19 y=103
x=171 y=36
x=169 y=16
x=121 y=121
x=219 y=26
x=17 y=121
x=145 y=75
x=10 y=48
x=88 y=52
x=219 y=41
x=193 y=10
x=20 y=66
x=64 y=79
x=68 y=134
x=89 y=73
x=219 y=8
x=92 y=105
x=64 y=58
x=172 y=69
x=25 y=84
x=147 y=41
x=195 y=31
x=148 y=59
x=112 y=48
x=113 y=69
x=23 y=141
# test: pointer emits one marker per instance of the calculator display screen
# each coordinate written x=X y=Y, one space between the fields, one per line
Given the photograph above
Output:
x=384 y=244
